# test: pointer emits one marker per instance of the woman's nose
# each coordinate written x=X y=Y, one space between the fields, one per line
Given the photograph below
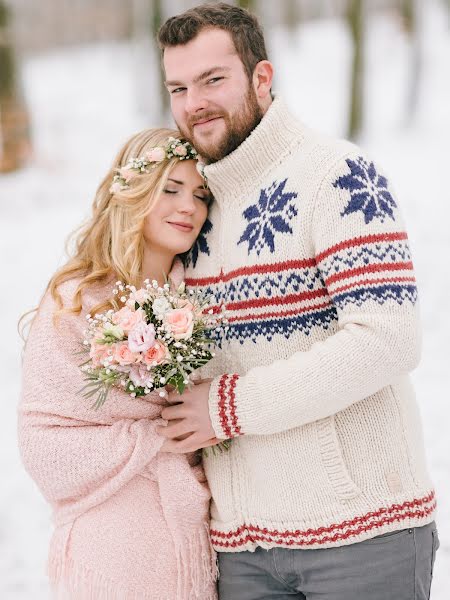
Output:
x=187 y=204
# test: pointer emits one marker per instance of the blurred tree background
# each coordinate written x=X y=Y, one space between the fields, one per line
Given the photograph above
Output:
x=14 y=121
x=49 y=24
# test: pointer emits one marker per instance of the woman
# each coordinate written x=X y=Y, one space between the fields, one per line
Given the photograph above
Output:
x=130 y=522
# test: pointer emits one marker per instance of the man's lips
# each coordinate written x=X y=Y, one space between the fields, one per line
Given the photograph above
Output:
x=207 y=121
x=186 y=227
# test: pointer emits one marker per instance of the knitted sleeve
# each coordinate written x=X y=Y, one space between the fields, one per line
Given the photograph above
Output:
x=361 y=249
x=73 y=452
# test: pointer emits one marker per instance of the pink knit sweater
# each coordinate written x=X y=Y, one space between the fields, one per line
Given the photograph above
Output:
x=131 y=523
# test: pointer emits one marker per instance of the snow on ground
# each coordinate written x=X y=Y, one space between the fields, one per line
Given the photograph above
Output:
x=83 y=106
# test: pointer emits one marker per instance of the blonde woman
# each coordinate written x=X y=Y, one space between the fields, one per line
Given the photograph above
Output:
x=131 y=522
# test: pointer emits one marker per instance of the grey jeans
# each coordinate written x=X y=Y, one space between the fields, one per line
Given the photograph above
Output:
x=393 y=566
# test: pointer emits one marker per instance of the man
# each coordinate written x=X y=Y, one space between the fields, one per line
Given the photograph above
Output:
x=324 y=492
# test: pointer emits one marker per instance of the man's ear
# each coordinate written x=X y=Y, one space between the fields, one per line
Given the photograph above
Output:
x=262 y=79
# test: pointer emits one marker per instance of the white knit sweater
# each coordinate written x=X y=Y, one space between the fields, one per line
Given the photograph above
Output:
x=306 y=247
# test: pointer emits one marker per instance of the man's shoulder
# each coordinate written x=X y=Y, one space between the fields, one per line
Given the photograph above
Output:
x=327 y=150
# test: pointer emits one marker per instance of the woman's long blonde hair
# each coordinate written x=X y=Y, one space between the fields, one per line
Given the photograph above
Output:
x=111 y=243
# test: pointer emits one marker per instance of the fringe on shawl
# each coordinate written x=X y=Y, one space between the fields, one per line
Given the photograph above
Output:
x=196 y=567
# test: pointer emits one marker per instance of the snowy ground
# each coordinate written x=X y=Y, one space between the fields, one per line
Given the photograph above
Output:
x=83 y=105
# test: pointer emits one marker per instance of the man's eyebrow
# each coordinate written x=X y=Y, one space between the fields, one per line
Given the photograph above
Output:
x=202 y=76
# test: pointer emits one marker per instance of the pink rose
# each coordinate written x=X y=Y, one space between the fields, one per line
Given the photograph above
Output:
x=156 y=354
x=116 y=187
x=156 y=154
x=123 y=355
x=127 y=319
x=140 y=376
x=185 y=303
x=180 y=151
x=98 y=353
x=141 y=337
x=181 y=323
x=127 y=174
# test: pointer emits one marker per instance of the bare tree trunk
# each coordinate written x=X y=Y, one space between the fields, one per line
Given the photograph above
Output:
x=157 y=19
x=291 y=14
x=247 y=4
x=15 y=145
x=355 y=18
x=413 y=16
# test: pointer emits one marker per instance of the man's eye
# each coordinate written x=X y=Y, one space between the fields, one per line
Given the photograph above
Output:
x=177 y=90
x=214 y=79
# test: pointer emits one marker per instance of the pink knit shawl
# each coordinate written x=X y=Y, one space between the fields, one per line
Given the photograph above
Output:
x=80 y=457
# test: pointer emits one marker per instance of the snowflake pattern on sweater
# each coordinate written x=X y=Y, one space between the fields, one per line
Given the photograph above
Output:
x=200 y=245
x=271 y=215
x=368 y=191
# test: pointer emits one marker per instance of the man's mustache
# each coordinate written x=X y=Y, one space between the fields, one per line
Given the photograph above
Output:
x=204 y=117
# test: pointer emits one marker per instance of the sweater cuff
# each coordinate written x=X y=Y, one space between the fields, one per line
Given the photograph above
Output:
x=222 y=407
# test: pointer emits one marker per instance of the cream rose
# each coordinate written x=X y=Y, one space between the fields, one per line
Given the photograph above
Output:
x=160 y=306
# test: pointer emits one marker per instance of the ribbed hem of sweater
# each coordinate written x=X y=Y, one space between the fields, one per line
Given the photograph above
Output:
x=415 y=511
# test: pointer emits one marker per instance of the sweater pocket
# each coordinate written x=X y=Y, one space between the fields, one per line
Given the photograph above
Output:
x=333 y=461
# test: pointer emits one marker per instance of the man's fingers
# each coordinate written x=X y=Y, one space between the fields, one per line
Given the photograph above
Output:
x=199 y=381
x=175 y=429
x=173 y=412
x=190 y=444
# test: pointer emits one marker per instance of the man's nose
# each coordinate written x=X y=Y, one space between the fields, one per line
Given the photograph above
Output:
x=195 y=101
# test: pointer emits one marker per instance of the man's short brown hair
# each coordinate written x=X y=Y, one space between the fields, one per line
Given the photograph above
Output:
x=243 y=27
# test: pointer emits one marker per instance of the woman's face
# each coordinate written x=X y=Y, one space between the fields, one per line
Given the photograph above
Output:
x=178 y=215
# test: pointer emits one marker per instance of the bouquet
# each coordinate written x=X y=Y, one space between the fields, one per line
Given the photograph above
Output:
x=156 y=337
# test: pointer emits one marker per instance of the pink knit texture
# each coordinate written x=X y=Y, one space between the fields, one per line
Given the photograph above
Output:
x=131 y=522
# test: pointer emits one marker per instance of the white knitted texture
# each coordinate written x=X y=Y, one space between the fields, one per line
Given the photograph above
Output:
x=309 y=254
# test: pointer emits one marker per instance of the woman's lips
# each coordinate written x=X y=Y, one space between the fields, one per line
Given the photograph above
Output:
x=182 y=226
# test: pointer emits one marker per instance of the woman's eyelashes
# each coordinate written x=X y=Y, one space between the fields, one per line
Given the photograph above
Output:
x=203 y=197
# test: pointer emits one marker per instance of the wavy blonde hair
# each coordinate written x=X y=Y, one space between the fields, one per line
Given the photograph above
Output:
x=111 y=243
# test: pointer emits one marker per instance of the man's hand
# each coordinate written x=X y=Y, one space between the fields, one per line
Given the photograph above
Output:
x=189 y=425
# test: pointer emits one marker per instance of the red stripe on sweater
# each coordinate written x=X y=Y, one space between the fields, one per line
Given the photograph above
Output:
x=394 y=508
x=364 y=282
x=253 y=270
x=277 y=300
x=368 y=239
x=272 y=315
x=399 y=266
x=418 y=514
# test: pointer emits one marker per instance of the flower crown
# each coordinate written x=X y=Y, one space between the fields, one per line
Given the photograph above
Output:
x=144 y=164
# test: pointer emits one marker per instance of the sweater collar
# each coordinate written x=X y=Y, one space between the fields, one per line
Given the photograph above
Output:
x=268 y=143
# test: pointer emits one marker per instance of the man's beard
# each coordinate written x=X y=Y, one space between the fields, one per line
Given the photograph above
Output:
x=237 y=128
